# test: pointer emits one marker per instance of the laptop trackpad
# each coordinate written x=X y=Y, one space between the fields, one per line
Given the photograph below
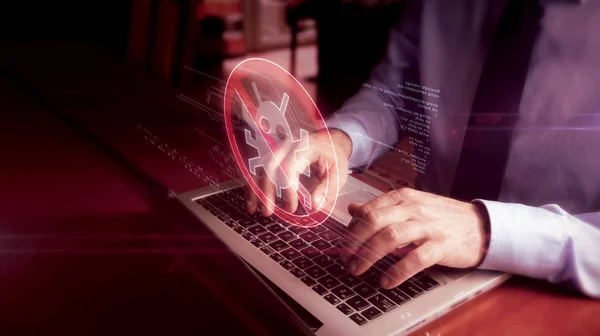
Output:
x=355 y=196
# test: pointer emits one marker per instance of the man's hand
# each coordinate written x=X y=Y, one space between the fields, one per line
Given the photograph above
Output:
x=445 y=232
x=322 y=163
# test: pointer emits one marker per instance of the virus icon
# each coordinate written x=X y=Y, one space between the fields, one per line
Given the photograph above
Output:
x=270 y=122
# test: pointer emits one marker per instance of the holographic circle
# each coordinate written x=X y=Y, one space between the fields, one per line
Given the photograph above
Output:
x=259 y=89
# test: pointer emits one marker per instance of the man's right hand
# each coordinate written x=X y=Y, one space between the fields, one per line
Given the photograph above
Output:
x=322 y=162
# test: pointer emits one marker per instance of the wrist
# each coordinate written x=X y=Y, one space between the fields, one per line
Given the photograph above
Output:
x=342 y=142
x=484 y=229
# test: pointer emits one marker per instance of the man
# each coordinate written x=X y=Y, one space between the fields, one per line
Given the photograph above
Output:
x=451 y=62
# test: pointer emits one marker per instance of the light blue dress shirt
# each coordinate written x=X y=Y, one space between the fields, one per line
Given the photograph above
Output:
x=546 y=224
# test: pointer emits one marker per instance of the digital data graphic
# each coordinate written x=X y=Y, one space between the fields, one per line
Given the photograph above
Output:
x=268 y=113
x=269 y=118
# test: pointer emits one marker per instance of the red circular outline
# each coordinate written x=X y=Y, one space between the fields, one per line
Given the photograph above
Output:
x=318 y=217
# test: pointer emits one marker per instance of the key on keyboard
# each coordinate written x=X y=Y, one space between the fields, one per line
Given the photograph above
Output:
x=279 y=245
x=323 y=260
x=410 y=289
x=298 y=273
x=328 y=281
x=275 y=228
x=298 y=244
x=382 y=303
x=359 y=319
x=371 y=313
x=336 y=270
x=286 y=236
x=332 y=299
x=310 y=252
x=343 y=292
x=319 y=289
x=321 y=244
x=302 y=262
x=287 y=265
x=426 y=282
x=297 y=229
x=344 y=308
x=350 y=280
x=257 y=229
x=328 y=235
x=315 y=272
x=268 y=237
x=290 y=254
x=357 y=303
x=364 y=290
x=309 y=281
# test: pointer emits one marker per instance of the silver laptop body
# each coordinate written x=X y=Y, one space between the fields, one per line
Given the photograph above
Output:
x=372 y=312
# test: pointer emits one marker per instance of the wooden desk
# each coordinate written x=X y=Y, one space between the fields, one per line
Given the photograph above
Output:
x=83 y=252
x=522 y=306
x=55 y=185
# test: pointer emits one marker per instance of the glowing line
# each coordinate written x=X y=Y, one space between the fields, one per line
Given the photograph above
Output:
x=284 y=104
x=326 y=186
x=119 y=251
x=203 y=74
x=197 y=102
x=247 y=114
x=541 y=128
x=212 y=93
x=208 y=136
x=256 y=93
x=199 y=105
x=101 y=237
x=206 y=109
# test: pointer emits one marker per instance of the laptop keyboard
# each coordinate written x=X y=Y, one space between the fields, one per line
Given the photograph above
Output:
x=312 y=255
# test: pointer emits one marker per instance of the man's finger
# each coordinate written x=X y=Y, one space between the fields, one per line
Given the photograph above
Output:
x=298 y=162
x=290 y=194
x=369 y=224
x=393 y=197
x=385 y=242
x=290 y=199
x=274 y=168
x=417 y=260
x=335 y=177
x=331 y=172
x=353 y=207
x=268 y=188
x=320 y=193
x=251 y=200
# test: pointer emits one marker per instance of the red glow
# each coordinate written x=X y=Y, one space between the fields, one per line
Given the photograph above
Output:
x=311 y=113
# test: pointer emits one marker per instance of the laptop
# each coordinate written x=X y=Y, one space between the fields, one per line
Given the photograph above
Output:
x=303 y=264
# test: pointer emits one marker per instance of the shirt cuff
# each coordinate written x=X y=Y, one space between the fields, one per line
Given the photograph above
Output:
x=361 y=147
x=524 y=240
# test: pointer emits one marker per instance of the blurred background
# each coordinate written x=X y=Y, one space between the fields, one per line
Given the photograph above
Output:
x=330 y=45
x=133 y=62
x=95 y=94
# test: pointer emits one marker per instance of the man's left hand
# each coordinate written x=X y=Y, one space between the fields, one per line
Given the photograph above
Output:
x=445 y=231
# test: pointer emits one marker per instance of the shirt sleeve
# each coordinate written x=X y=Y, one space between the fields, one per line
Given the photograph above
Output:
x=369 y=118
x=545 y=243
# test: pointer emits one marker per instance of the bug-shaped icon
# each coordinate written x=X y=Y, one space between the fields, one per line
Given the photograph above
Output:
x=270 y=121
